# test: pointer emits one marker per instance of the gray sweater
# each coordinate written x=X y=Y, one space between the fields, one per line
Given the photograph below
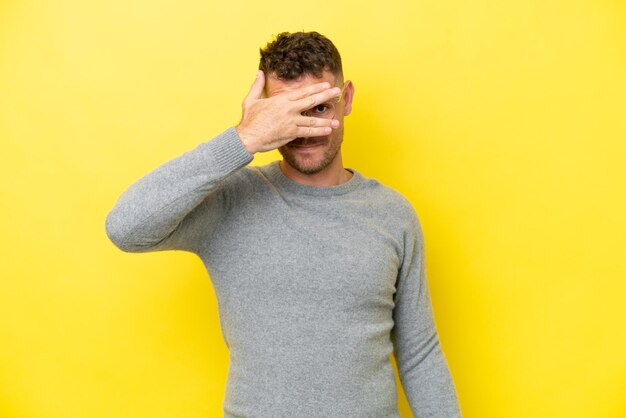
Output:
x=316 y=286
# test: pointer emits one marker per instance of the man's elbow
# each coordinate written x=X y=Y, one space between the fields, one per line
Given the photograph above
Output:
x=118 y=234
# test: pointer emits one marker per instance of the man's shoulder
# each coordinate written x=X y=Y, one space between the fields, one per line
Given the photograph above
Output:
x=389 y=193
x=395 y=202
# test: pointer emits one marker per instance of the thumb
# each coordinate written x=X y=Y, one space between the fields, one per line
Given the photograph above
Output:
x=256 y=91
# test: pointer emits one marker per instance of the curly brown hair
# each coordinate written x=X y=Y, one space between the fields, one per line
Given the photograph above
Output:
x=291 y=55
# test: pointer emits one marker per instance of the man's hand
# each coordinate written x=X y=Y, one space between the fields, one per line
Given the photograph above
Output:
x=269 y=123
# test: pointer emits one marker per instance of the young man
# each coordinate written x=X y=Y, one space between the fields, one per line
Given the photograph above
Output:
x=318 y=270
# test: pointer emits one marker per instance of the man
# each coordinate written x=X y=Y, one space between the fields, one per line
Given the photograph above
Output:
x=318 y=270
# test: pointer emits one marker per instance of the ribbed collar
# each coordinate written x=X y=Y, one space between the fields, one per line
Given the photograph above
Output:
x=276 y=176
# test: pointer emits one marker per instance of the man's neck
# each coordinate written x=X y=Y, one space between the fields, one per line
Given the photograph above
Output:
x=332 y=175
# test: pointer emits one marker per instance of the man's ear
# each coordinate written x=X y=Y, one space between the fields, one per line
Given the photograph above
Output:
x=348 y=96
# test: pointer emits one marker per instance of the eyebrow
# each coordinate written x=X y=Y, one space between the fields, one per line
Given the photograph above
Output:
x=334 y=99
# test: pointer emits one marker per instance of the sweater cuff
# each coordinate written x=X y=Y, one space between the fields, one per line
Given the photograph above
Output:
x=228 y=151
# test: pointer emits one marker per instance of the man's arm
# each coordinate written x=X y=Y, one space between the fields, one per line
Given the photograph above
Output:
x=156 y=212
x=422 y=366
x=149 y=214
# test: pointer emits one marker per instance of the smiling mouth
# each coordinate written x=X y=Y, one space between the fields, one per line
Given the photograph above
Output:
x=304 y=144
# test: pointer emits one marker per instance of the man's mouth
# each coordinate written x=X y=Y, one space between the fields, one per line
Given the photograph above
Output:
x=301 y=144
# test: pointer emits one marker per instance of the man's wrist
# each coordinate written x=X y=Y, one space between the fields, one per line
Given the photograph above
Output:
x=246 y=140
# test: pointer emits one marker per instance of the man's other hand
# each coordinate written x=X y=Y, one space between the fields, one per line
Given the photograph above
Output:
x=269 y=123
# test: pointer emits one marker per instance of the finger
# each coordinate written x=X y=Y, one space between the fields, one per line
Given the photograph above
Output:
x=305 y=91
x=313 y=121
x=315 y=99
x=256 y=91
x=308 y=131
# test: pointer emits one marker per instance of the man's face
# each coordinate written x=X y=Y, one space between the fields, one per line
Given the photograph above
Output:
x=313 y=154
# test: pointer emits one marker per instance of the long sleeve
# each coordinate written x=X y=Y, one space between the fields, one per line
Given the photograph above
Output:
x=157 y=211
x=422 y=366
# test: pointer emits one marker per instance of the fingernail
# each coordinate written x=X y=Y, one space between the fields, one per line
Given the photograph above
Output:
x=336 y=90
x=334 y=123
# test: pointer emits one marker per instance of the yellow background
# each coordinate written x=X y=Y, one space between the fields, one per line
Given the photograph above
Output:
x=503 y=122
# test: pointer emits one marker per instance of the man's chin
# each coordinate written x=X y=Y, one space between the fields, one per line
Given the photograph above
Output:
x=302 y=163
x=308 y=160
x=307 y=167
